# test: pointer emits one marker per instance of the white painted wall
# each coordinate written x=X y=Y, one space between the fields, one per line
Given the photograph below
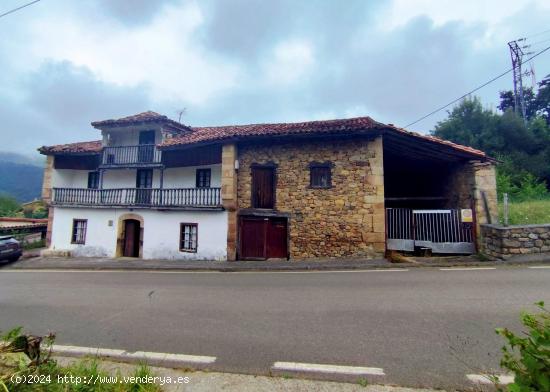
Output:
x=177 y=177
x=160 y=233
x=66 y=178
x=184 y=177
x=129 y=136
x=122 y=178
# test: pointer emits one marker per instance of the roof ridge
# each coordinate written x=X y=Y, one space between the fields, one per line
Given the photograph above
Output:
x=332 y=120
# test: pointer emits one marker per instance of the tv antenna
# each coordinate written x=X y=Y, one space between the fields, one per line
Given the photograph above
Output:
x=180 y=113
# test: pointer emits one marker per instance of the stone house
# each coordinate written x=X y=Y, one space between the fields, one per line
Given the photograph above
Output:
x=155 y=188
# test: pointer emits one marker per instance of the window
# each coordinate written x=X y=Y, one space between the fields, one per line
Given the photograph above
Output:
x=188 y=237
x=203 y=178
x=93 y=180
x=79 y=231
x=320 y=175
x=263 y=185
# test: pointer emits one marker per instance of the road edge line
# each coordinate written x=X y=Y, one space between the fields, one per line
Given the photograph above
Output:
x=327 y=369
x=151 y=358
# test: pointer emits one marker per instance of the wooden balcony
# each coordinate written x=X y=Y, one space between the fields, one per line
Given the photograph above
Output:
x=131 y=156
x=167 y=198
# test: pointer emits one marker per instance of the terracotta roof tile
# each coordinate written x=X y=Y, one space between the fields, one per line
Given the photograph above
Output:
x=145 y=117
x=207 y=134
x=358 y=124
x=199 y=135
x=437 y=140
x=75 y=148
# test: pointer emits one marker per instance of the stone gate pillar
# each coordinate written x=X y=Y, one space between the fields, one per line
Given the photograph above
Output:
x=229 y=196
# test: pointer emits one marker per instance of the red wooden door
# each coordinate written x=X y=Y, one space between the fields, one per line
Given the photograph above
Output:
x=131 y=238
x=263 y=187
x=277 y=238
x=263 y=238
x=252 y=236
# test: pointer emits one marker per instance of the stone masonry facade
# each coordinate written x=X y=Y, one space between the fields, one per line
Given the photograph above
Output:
x=47 y=195
x=504 y=242
x=345 y=220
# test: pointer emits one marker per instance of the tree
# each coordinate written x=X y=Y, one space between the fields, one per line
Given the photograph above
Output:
x=524 y=148
x=469 y=124
x=507 y=102
x=8 y=206
x=536 y=104
x=543 y=99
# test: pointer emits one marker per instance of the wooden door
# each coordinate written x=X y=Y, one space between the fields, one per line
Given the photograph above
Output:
x=263 y=187
x=144 y=183
x=252 y=237
x=146 y=147
x=263 y=238
x=277 y=238
x=131 y=238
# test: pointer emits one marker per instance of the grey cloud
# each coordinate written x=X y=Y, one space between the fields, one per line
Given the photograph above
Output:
x=246 y=28
x=396 y=76
x=60 y=100
x=134 y=12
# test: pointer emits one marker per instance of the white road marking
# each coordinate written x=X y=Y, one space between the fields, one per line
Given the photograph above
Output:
x=467 y=268
x=133 y=356
x=503 y=379
x=539 y=266
x=330 y=369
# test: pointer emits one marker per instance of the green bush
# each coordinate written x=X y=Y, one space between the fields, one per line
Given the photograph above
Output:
x=23 y=360
x=524 y=187
x=9 y=206
x=529 y=357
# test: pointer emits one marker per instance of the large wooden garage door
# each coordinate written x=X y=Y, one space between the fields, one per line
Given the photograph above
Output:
x=263 y=238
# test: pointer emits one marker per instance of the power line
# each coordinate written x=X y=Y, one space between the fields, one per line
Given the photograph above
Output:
x=539 y=42
x=537 y=34
x=475 y=89
x=18 y=8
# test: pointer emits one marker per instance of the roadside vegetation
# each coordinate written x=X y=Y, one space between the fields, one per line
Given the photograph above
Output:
x=26 y=365
x=527 y=356
x=527 y=212
x=521 y=147
x=10 y=207
x=34 y=245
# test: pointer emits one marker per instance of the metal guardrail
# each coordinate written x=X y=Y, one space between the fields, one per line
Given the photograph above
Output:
x=145 y=197
x=131 y=155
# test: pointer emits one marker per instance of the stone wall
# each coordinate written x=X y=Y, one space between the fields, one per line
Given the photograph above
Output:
x=506 y=241
x=459 y=188
x=229 y=197
x=346 y=220
x=47 y=195
x=485 y=182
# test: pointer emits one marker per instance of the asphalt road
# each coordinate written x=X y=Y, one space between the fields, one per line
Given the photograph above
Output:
x=424 y=327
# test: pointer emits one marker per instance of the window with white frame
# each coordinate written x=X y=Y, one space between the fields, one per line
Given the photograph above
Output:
x=188 y=237
x=78 y=235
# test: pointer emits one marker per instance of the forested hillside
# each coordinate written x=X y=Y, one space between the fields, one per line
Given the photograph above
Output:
x=20 y=176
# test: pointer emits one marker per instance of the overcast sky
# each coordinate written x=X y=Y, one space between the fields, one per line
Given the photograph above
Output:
x=65 y=63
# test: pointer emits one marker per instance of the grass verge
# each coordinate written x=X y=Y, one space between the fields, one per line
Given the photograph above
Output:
x=25 y=366
x=527 y=212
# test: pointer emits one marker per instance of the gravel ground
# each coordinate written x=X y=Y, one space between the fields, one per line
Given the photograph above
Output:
x=213 y=381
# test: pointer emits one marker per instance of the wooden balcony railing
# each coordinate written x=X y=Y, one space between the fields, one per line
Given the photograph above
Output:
x=138 y=197
x=131 y=155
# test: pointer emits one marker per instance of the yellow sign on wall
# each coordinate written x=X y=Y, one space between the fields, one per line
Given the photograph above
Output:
x=466 y=215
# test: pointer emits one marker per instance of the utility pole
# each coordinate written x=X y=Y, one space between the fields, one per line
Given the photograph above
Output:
x=516 y=52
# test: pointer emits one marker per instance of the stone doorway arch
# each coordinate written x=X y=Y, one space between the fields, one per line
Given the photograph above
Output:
x=126 y=221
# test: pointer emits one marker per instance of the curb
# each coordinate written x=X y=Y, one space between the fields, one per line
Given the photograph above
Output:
x=167 y=360
x=287 y=268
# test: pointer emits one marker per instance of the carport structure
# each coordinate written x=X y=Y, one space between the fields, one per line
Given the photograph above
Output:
x=436 y=193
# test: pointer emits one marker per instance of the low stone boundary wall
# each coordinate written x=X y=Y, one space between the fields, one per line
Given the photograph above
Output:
x=506 y=241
